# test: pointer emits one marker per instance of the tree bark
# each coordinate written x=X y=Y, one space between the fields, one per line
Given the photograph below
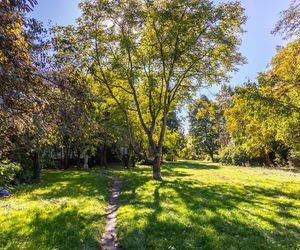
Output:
x=66 y=158
x=103 y=156
x=156 y=166
x=78 y=158
x=212 y=156
x=61 y=159
x=36 y=167
x=268 y=160
x=86 y=161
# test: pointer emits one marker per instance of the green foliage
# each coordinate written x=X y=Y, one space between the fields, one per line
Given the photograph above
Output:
x=172 y=145
x=223 y=102
x=232 y=155
x=189 y=151
x=267 y=114
x=174 y=138
x=8 y=172
x=152 y=55
x=204 y=127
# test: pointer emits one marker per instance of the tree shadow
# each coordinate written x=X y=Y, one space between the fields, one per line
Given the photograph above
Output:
x=64 y=230
x=182 y=215
x=191 y=165
x=65 y=211
x=58 y=184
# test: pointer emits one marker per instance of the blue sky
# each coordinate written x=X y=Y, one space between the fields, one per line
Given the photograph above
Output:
x=258 y=46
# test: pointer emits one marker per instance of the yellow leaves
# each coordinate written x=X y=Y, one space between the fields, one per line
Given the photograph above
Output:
x=15 y=32
x=287 y=63
x=3 y=58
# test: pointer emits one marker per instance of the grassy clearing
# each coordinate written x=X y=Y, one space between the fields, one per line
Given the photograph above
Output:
x=208 y=206
x=65 y=211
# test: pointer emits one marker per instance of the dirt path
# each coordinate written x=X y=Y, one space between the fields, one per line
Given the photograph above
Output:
x=109 y=239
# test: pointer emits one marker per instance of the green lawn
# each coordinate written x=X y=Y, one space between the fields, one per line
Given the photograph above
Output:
x=65 y=211
x=197 y=206
x=209 y=206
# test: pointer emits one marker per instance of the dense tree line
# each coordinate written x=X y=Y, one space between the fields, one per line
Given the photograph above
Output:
x=113 y=80
x=258 y=122
x=114 y=83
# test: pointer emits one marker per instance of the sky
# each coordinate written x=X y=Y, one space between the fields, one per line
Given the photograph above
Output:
x=258 y=44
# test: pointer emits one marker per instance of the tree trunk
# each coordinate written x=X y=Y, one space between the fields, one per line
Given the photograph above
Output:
x=86 y=161
x=212 y=156
x=268 y=160
x=36 y=167
x=156 y=166
x=66 y=158
x=61 y=159
x=78 y=158
x=103 y=156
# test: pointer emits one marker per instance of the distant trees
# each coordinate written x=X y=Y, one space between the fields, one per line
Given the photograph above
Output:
x=204 y=126
x=267 y=114
x=174 y=138
x=258 y=123
x=265 y=117
x=118 y=77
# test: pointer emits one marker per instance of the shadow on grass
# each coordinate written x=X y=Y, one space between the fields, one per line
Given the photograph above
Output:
x=191 y=165
x=65 y=211
x=58 y=184
x=182 y=215
x=70 y=229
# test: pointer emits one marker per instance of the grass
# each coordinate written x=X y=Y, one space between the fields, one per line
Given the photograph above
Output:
x=197 y=206
x=209 y=206
x=65 y=211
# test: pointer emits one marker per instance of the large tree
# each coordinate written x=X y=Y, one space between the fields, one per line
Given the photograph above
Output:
x=22 y=88
x=151 y=55
x=269 y=111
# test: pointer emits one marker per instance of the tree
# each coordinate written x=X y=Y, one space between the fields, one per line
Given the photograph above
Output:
x=267 y=114
x=152 y=54
x=174 y=138
x=223 y=102
x=204 y=127
x=22 y=89
x=247 y=123
x=15 y=66
x=289 y=22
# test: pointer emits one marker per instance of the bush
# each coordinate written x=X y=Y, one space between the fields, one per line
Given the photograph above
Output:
x=294 y=159
x=234 y=156
x=8 y=172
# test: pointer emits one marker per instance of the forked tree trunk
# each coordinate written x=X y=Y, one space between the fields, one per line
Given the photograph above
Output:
x=36 y=167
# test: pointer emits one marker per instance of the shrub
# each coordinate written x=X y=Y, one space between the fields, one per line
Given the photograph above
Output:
x=8 y=172
x=234 y=156
x=294 y=159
